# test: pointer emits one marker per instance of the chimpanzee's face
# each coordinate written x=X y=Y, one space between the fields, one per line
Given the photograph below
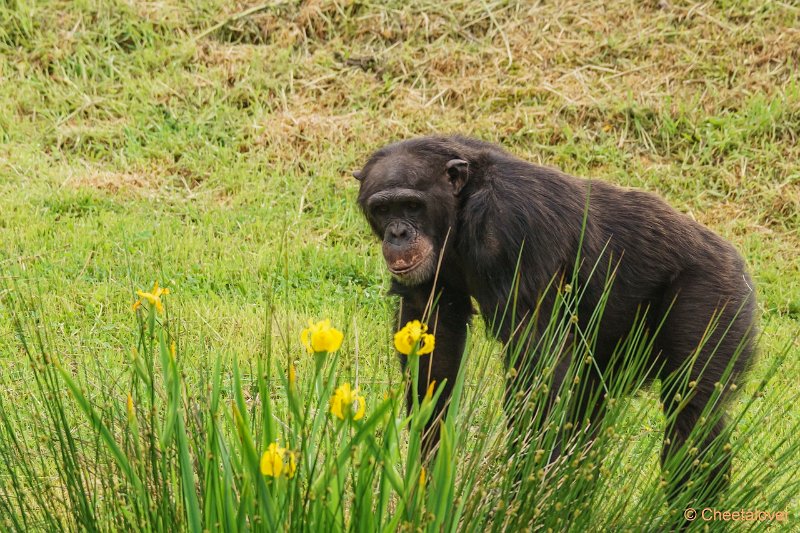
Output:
x=410 y=202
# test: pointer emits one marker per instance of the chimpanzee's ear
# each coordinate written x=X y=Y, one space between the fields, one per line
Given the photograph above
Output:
x=358 y=174
x=457 y=171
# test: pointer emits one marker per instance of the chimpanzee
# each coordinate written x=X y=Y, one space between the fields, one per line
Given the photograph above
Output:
x=462 y=218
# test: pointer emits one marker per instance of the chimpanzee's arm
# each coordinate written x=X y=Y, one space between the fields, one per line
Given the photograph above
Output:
x=448 y=323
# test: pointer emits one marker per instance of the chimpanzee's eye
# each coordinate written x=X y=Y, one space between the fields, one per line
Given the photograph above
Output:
x=382 y=209
x=414 y=207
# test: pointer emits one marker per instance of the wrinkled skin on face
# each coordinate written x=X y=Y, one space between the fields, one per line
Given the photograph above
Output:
x=410 y=203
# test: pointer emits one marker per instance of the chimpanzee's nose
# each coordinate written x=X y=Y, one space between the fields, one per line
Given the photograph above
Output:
x=398 y=234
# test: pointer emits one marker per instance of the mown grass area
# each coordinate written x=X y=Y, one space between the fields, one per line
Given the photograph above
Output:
x=208 y=145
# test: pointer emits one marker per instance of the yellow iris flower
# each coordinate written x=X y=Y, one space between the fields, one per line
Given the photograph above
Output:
x=346 y=402
x=414 y=334
x=272 y=462
x=291 y=467
x=153 y=298
x=321 y=337
x=429 y=393
x=130 y=408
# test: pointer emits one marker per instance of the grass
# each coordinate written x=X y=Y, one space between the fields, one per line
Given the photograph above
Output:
x=135 y=145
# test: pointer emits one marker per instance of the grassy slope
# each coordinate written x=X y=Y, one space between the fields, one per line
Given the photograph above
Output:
x=131 y=151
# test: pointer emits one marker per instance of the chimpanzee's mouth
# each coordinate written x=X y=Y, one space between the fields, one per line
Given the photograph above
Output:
x=401 y=267
x=401 y=263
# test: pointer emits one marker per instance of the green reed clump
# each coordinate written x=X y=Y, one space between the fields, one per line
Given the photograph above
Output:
x=304 y=449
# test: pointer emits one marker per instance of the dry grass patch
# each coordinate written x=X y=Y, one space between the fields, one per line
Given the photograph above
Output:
x=147 y=185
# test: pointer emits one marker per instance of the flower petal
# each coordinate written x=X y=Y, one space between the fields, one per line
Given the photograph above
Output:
x=291 y=467
x=362 y=407
x=426 y=344
x=429 y=392
x=305 y=341
x=271 y=462
x=336 y=405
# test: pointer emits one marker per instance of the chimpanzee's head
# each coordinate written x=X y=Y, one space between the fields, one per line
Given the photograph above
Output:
x=409 y=194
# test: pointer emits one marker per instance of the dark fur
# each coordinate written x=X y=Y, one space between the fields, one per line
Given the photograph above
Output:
x=496 y=212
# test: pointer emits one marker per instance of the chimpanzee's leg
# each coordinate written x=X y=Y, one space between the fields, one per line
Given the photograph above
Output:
x=707 y=342
x=447 y=321
x=538 y=362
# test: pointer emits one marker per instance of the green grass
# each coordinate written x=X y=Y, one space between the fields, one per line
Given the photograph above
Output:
x=131 y=150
